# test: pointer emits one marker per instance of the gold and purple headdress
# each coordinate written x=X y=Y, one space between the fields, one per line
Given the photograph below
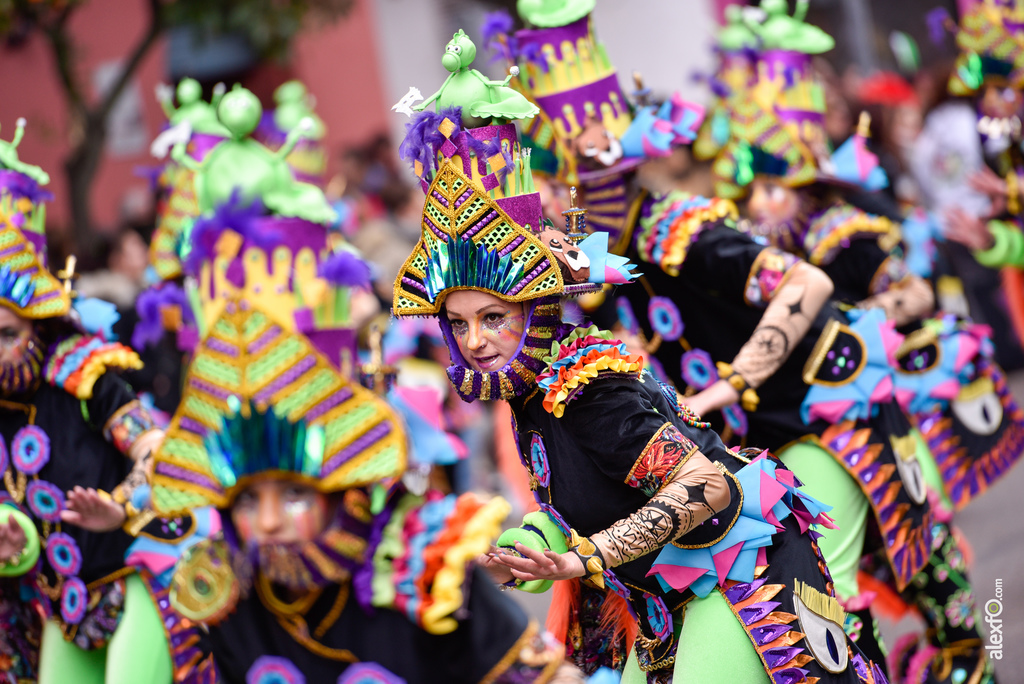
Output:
x=269 y=389
x=26 y=286
x=483 y=228
x=991 y=43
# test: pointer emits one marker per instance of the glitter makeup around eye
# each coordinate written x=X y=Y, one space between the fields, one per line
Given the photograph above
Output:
x=504 y=324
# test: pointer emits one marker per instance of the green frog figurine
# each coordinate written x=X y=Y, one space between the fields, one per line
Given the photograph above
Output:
x=244 y=166
x=483 y=101
x=9 y=157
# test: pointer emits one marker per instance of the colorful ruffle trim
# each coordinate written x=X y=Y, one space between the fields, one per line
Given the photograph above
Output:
x=79 y=361
x=770 y=495
x=420 y=563
x=581 y=357
x=834 y=229
x=673 y=222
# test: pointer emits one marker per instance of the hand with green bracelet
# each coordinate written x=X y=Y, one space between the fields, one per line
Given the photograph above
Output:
x=540 y=539
x=19 y=542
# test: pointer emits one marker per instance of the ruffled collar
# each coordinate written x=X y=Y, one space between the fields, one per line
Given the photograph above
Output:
x=517 y=377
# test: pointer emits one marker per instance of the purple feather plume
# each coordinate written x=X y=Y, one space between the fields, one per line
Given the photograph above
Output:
x=21 y=186
x=232 y=215
x=150 y=328
x=345 y=269
x=495 y=25
x=937 y=21
x=422 y=136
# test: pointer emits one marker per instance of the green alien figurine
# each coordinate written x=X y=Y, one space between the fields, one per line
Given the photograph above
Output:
x=735 y=35
x=551 y=13
x=779 y=31
x=294 y=103
x=480 y=98
x=200 y=115
x=9 y=157
x=241 y=164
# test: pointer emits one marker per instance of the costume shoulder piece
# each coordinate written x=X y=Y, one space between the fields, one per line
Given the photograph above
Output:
x=78 y=361
x=670 y=223
x=831 y=230
x=419 y=565
x=577 y=360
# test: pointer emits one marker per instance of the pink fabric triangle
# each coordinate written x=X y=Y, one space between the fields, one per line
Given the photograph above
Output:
x=770 y=518
x=904 y=396
x=762 y=556
x=724 y=561
x=830 y=411
x=679 y=577
x=946 y=390
x=771 y=493
x=883 y=390
x=967 y=350
x=785 y=477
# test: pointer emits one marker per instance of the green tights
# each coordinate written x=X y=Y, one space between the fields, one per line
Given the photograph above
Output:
x=713 y=648
x=138 y=651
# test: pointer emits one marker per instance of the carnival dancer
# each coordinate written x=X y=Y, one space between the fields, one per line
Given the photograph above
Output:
x=747 y=329
x=643 y=508
x=329 y=569
x=75 y=450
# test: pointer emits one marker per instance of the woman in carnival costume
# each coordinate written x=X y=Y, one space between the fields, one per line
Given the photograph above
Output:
x=746 y=329
x=75 y=444
x=329 y=569
x=642 y=507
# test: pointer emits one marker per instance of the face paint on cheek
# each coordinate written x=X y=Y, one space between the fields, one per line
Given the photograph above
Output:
x=244 y=519
x=308 y=516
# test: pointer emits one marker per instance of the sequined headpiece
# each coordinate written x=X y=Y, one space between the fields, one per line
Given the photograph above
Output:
x=991 y=43
x=759 y=145
x=482 y=229
x=26 y=287
x=269 y=387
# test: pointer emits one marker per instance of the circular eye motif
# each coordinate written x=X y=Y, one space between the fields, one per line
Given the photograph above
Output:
x=624 y=312
x=978 y=407
x=274 y=670
x=63 y=554
x=698 y=369
x=919 y=360
x=45 y=500
x=665 y=318
x=30 y=449
x=539 y=461
x=73 y=600
x=368 y=673
x=659 y=617
x=735 y=418
x=824 y=637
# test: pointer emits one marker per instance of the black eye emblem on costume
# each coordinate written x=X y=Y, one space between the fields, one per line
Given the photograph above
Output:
x=919 y=360
x=842 y=361
x=821 y=620
x=978 y=407
x=909 y=467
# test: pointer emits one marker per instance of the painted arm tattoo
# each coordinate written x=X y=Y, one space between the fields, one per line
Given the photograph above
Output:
x=909 y=300
x=786 y=320
x=697 y=492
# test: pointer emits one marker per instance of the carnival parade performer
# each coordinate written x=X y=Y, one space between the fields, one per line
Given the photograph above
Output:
x=76 y=444
x=742 y=328
x=329 y=569
x=636 y=494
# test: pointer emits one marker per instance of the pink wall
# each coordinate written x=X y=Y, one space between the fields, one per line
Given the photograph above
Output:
x=336 y=62
x=105 y=30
